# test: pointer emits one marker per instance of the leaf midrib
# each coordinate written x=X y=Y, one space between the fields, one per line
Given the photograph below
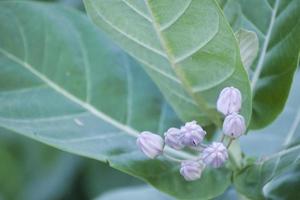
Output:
x=86 y=106
x=172 y=62
x=70 y=96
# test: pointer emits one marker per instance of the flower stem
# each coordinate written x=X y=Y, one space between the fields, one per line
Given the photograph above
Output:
x=171 y=158
x=176 y=154
x=235 y=155
x=223 y=137
x=229 y=142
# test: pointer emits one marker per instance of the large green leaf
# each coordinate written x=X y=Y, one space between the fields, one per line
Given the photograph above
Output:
x=259 y=180
x=277 y=25
x=63 y=83
x=187 y=47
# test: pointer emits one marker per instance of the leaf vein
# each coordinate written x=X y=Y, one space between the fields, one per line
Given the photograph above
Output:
x=136 y=10
x=260 y=63
x=129 y=36
x=176 y=17
x=70 y=96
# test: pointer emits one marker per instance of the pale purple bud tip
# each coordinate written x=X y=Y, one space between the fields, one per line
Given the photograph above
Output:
x=191 y=170
x=193 y=134
x=234 y=125
x=173 y=138
x=215 y=154
x=151 y=144
x=229 y=101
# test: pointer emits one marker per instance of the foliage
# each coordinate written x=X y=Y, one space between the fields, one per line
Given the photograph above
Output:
x=277 y=26
x=64 y=82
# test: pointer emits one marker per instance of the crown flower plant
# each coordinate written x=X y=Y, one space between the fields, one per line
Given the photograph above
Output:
x=191 y=170
x=197 y=99
x=215 y=154
x=151 y=144
x=229 y=101
x=234 y=125
x=173 y=138
x=191 y=136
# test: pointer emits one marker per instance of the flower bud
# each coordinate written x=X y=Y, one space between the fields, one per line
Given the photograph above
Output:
x=173 y=138
x=215 y=155
x=191 y=170
x=151 y=144
x=234 y=125
x=229 y=101
x=193 y=134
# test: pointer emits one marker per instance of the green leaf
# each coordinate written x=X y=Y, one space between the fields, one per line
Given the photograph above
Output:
x=26 y=164
x=248 y=42
x=284 y=135
x=99 y=178
x=275 y=134
x=277 y=24
x=63 y=83
x=285 y=186
x=187 y=48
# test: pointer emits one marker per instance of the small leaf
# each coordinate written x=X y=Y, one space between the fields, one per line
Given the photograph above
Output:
x=248 y=46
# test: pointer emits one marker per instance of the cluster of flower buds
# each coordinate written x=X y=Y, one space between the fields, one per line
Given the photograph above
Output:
x=229 y=103
x=191 y=136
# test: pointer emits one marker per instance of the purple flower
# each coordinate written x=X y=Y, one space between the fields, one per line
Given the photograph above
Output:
x=193 y=134
x=234 y=125
x=191 y=170
x=215 y=155
x=229 y=101
x=173 y=138
x=151 y=144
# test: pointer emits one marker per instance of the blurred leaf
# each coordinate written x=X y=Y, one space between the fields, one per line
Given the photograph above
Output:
x=284 y=135
x=59 y=178
x=63 y=83
x=230 y=194
x=277 y=25
x=285 y=186
x=254 y=143
x=73 y=3
x=99 y=178
x=248 y=46
x=187 y=47
x=138 y=192
x=30 y=170
x=25 y=165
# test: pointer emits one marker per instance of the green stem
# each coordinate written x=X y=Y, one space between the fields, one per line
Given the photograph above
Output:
x=235 y=155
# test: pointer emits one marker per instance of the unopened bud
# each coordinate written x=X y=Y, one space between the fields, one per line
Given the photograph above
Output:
x=151 y=144
x=234 y=125
x=191 y=170
x=215 y=155
x=193 y=134
x=173 y=138
x=229 y=101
